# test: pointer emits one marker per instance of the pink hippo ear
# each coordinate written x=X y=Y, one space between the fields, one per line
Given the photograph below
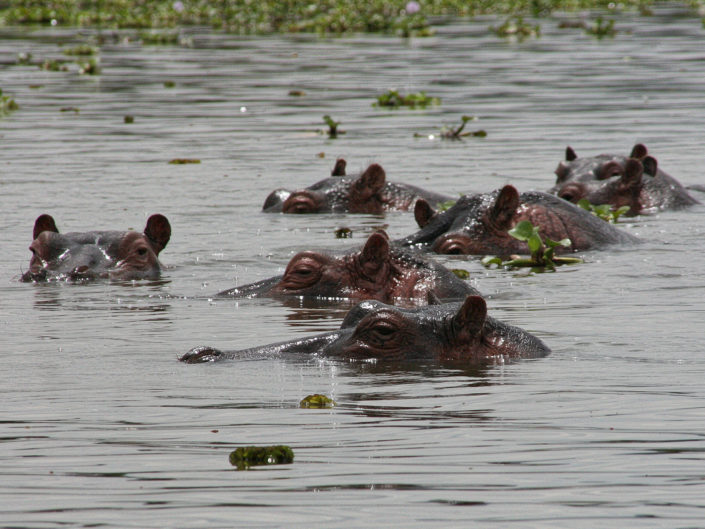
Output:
x=504 y=207
x=375 y=253
x=633 y=171
x=570 y=154
x=470 y=318
x=369 y=183
x=44 y=223
x=423 y=212
x=639 y=151
x=158 y=231
x=650 y=165
x=339 y=168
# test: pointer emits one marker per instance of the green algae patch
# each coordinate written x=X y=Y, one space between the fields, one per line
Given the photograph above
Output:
x=460 y=273
x=7 y=104
x=317 y=401
x=393 y=99
x=248 y=456
x=183 y=161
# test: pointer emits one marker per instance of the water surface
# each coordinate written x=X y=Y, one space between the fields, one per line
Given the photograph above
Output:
x=101 y=426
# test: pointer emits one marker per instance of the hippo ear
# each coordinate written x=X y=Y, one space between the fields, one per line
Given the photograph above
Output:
x=158 y=231
x=633 y=170
x=650 y=165
x=639 y=151
x=44 y=223
x=432 y=298
x=504 y=207
x=339 y=168
x=470 y=318
x=375 y=253
x=369 y=183
x=423 y=212
x=570 y=154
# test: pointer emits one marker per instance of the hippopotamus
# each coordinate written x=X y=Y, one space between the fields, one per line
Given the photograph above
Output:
x=96 y=254
x=635 y=181
x=458 y=331
x=377 y=271
x=479 y=224
x=368 y=192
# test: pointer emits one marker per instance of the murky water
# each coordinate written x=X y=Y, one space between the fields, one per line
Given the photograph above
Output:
x=101 y=426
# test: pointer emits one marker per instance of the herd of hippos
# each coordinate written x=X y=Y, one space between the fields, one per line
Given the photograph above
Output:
x=449 y=321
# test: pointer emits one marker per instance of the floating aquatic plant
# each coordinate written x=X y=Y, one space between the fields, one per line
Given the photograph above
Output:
x=54 y=65
x=89 y=67
x=541 y=250
x=517 y=28
x=456 y=133
x=394 y=99
x=603 y=211
x=182 y=161
x=602 y=28
x=460 y=273
x=332 y=127
x=343 y=233
x=82 y=50
x=317 y=401
x=246 y=456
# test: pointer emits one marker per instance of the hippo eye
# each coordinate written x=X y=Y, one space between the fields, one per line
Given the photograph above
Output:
x=383 y=330
x=609 y=170
x=142 y=251
x=567 y=196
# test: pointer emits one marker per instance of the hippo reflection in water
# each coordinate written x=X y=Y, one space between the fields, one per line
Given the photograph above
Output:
x=368 y=192
x=377 y=271
x=479 y=224
x=635 y=181
x=96 y=254
x=459 y=331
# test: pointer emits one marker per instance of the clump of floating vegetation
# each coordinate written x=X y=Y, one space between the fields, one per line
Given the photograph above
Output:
x=54 y=65
x=247 y=456
x=394 y=99
x=604 y=211
x=83 y=50
x=602 y=28
x=461 y=273
x=541 y=250
x=332 y=127
x=317 y=401
x=183 y=161
x=456 y=133
x=343 y=233
x=89 y=67
x=400 y=17
x=7 y=104
x=516 y=28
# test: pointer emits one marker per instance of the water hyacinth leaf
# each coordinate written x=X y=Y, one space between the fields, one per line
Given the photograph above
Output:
x=490 y=260
x=552 y=244
x=522 y=231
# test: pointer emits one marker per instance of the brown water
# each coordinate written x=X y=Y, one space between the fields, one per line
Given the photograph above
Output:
x=102 y=427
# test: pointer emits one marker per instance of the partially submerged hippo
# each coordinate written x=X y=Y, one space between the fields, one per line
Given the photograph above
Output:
x=479 y=224
x=368 y=192
x=634 y=180
x=459 y=331
x=96 y=254
x=377 y=271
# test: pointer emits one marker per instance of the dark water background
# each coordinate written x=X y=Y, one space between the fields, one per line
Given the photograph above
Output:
x=102 y=427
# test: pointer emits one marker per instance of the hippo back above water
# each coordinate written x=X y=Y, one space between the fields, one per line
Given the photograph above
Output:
x=96 y=254
x=479 y=224
x=368 y=192
x=619 y=181
x=460 y=331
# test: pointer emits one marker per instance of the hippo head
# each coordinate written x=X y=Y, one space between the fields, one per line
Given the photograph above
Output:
x=577 y=177
x=334 y=194
x=627 y=189
x=94 y=254
x=460 y=331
